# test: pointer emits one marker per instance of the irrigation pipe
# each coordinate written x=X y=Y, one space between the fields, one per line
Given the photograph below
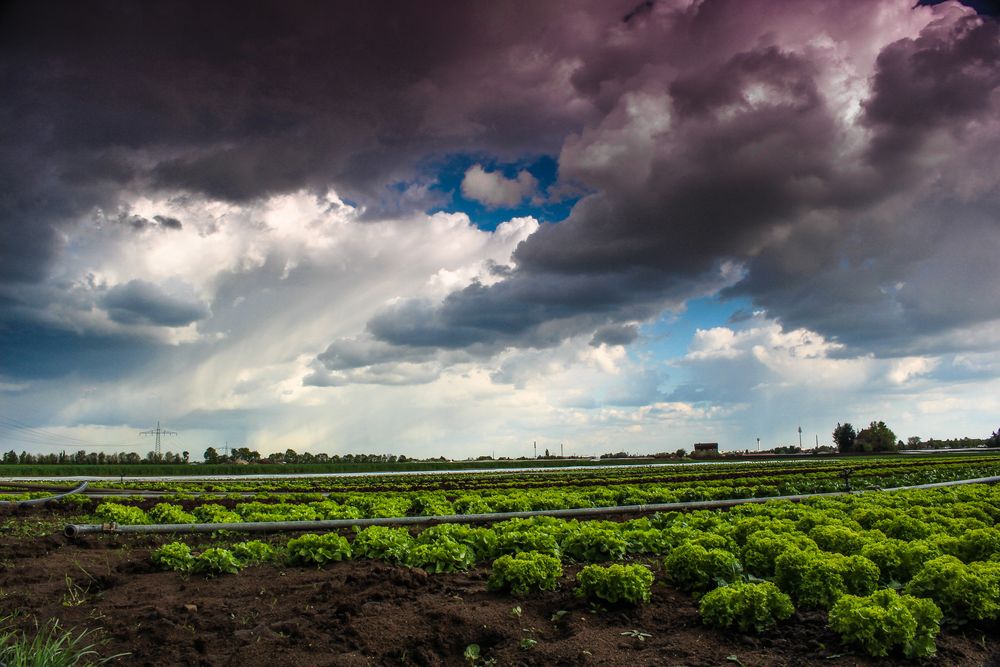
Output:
x=75 y=530
x=41 y=501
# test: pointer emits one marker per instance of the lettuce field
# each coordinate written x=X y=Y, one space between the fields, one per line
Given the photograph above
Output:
x=413 y=573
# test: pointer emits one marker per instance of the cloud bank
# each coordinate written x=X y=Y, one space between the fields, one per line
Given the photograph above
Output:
x=240 y=204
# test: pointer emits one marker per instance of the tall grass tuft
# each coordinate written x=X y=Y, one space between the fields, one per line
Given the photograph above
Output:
x=51 y=646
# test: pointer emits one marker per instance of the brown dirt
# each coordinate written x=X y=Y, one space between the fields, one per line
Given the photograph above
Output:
x=370 y=613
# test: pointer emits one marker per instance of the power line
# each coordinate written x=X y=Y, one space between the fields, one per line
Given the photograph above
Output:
x=160 y=432
x=28 y=439
x=16 y=424
x=64 y=446
x=18 y=431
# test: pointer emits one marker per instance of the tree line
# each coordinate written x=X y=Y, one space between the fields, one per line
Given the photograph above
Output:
x=238 y=455
x=247 y=455
x=94 y=458
x=877 y=437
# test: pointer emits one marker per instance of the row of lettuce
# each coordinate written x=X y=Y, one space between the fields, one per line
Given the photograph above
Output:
x=888 y=568
x=590 y=488
x=314 y=506
x=866 y=470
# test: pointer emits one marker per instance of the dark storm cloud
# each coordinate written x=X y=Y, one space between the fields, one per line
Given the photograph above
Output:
x=36 y=351
x=239 y=103
x=945 y=78
x=536 y=310
x=753 y=168
x=168 y=222
x=899 y=294
x=347 y=354
x=895 y=286
x=702 y=131
x=141 y=302
x=654 y=231
x=35 y=202
x=638 y=10
x=615 y=335
x=139 y=223
x=527 y=311
x=714 y=191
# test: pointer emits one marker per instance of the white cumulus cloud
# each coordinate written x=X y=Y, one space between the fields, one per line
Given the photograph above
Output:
x=495 y=190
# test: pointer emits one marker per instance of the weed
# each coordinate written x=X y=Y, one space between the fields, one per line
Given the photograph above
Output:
x=31 y=528
x=75 y=594
x=51 y=646
x=473 y=656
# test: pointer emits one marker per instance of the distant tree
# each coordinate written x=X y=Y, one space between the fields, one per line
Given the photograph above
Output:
x=211 y=455
x=844 y=436
x=994 y=440
x=876 y=438
x=10 y=457
x=246 y=455
x=955 y=443
x=913 y=442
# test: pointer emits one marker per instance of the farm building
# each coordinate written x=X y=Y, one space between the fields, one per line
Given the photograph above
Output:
x=706 y=449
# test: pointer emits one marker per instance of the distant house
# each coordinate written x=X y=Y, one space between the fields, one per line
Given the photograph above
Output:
x=706 y=449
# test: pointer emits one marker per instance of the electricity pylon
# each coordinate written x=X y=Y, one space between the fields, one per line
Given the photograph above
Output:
x=158 y=432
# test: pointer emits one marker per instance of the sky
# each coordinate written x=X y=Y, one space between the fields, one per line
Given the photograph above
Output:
x=457 y=229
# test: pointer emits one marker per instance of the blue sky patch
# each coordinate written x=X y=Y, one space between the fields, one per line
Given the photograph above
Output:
x=670 y=336
x=544 y=168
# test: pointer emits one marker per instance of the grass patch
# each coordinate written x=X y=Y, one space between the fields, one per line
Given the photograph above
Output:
x=34 y=528
x=51 y=646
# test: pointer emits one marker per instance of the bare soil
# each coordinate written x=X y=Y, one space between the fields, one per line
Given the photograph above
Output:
x=371 y=613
